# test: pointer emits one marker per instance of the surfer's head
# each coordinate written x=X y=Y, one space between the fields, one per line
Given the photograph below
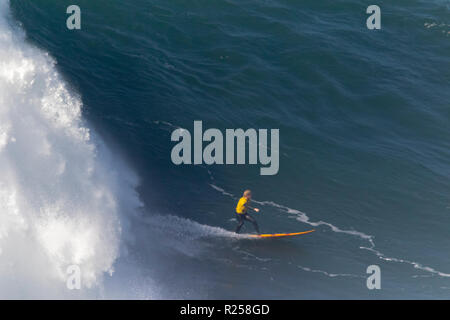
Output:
x=247 y=194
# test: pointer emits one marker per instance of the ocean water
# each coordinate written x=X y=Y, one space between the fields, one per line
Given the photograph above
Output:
x=86 y=177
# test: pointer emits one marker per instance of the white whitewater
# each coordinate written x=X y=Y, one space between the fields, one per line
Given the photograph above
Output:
x=61 y=190
x=65 y=198
x=304 y=218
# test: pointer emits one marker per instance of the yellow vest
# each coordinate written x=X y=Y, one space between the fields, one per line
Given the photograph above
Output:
x=240 y=208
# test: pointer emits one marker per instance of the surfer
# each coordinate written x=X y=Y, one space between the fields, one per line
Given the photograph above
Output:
x=241 y=211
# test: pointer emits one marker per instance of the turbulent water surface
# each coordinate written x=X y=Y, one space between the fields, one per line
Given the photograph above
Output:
x=86 y=177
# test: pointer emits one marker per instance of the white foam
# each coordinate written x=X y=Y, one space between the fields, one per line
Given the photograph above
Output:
x=61 y=190
x=416 y=265
x=329 y=274
x=303 y=217
x=187 y=230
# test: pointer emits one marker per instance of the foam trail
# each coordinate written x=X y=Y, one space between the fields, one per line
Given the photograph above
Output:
x=301 y=216
x=61 y=190
x=416 y=265
x=328 y=274
x=189 y=230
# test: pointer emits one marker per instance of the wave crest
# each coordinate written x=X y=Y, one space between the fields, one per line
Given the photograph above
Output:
x=61 y=189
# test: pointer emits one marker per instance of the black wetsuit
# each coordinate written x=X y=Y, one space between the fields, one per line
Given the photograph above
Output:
x=241 y=219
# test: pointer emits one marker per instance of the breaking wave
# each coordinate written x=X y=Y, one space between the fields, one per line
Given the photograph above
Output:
x=63 y=194
x=303 y=217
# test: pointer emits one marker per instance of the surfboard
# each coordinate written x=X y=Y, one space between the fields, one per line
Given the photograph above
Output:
x=278 y=235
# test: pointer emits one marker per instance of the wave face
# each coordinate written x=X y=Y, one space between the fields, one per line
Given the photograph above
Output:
x=66 y=199
x=60 y=189
x=364 y=148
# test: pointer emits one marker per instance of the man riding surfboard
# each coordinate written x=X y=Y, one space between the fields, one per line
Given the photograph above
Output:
x=241 y=211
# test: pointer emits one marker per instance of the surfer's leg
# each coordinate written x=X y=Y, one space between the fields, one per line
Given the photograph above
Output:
x=253 y=221
x=240 y=222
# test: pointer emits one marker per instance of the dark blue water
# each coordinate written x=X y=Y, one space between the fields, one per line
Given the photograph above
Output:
x=364 y=139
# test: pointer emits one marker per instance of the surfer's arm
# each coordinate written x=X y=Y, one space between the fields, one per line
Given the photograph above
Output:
x=254 y=209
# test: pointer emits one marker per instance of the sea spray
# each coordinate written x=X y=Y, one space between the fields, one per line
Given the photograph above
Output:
x=63 y=195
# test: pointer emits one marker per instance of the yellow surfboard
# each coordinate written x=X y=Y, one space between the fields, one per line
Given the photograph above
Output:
x=276 y=235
